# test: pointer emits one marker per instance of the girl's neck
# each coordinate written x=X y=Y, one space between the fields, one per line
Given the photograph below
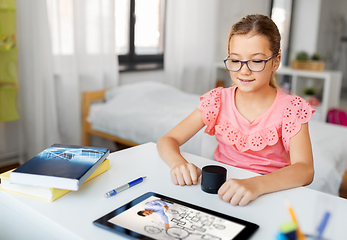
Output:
x=258 y=96
x=253 y=104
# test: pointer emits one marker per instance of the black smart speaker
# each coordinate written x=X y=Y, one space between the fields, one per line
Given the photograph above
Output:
x=213 y=178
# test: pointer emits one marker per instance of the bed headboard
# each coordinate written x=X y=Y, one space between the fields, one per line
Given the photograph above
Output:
x=87 y=99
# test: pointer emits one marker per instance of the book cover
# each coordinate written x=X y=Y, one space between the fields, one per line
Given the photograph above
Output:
x=60 y=166
x=44 y=193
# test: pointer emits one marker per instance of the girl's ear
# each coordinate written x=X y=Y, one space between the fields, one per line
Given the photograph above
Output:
x=276 y=63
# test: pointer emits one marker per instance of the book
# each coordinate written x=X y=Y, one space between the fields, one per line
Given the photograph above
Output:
x=44 y=193
x=60 y=166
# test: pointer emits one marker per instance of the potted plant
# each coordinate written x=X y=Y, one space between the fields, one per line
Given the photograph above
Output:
x=310 y=91
x=304 y=62
x=310 y=96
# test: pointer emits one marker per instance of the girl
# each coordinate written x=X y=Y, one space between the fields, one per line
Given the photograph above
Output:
x=258 y=127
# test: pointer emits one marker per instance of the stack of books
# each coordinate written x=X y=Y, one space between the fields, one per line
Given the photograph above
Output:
x=56 y=171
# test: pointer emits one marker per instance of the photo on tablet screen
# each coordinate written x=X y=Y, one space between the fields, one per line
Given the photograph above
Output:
x=160 y=218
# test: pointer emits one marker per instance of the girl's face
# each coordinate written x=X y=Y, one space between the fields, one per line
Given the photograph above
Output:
x=249 y=46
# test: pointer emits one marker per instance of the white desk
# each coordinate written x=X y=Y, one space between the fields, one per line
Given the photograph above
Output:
x=71 y=216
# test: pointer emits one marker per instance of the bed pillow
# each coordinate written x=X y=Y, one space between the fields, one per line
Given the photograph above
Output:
x=144 y=111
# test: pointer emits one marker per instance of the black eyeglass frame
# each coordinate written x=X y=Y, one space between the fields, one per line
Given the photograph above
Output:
x=242 y=62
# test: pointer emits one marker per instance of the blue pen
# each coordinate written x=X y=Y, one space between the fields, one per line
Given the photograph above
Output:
x=322 y=226
x=125 y=186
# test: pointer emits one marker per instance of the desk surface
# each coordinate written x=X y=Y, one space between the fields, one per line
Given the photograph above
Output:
x=72 y=216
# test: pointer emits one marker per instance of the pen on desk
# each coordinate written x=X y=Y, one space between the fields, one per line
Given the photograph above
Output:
x=124 y=187
x=322 y=226
x=300 y=235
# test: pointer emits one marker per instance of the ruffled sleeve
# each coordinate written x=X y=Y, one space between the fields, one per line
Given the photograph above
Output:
x=210 y=106
x=297 y=112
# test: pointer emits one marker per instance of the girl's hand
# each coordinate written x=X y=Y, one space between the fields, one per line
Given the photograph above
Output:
x=185 y=174
x=239 y=191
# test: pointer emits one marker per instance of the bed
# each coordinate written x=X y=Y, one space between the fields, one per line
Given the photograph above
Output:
x=137 y=113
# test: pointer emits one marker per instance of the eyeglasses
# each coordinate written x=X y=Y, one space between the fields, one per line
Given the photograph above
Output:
x=255 y=65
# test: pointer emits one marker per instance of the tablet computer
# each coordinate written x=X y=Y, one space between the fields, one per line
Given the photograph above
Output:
x=154 y=216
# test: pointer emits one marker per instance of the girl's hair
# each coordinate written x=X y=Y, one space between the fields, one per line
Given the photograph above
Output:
x=262 y=25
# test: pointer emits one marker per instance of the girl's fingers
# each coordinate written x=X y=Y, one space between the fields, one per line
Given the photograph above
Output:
x=245 y=200
x=226 y=193
x=186 y=174
x=223 y=189
x=187 y=178
x=195 y=177
x=195 y=173
x=236 y=192
x=180 y=179
x=235 y=200
x=174 y=178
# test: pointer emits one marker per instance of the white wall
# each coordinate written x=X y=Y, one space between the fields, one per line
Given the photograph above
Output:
x=332 y=15
x=305 y=27
x=231 y=12
x=311 y=31
x=333 y=26
x=131 y=77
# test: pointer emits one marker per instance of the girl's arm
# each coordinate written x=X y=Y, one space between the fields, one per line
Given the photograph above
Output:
x=299 y=173
x=182 y=172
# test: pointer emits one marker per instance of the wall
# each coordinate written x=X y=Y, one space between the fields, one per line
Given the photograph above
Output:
x=332 y=28
x=229 y=12
x=318 y=26
x=131 y=77
x=310 y=32
x=305 y=27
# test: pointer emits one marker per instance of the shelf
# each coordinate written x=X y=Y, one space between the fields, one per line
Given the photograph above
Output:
x=2 y=9
x=8 y=84
x=331 y=87
x=8 y=5
x=9 y=50
x=304 y=73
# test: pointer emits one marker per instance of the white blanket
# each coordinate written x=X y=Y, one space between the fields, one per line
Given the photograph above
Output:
x=143 y=112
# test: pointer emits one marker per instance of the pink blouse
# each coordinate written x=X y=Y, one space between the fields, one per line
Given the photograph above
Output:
x=262 y=145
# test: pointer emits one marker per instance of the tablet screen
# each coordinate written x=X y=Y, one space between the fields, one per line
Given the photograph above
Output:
x=154 y=216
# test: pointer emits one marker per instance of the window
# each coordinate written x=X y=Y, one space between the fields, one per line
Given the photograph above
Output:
x=140 y=34
x=60 y=15
x=281 y=14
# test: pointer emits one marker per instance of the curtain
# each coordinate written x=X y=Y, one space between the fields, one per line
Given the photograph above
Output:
x=83 y=32
x=37 y=102
x=190 y=43
x=65 y=47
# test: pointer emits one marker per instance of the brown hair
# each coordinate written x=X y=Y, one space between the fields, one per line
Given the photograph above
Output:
x=263 y=25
